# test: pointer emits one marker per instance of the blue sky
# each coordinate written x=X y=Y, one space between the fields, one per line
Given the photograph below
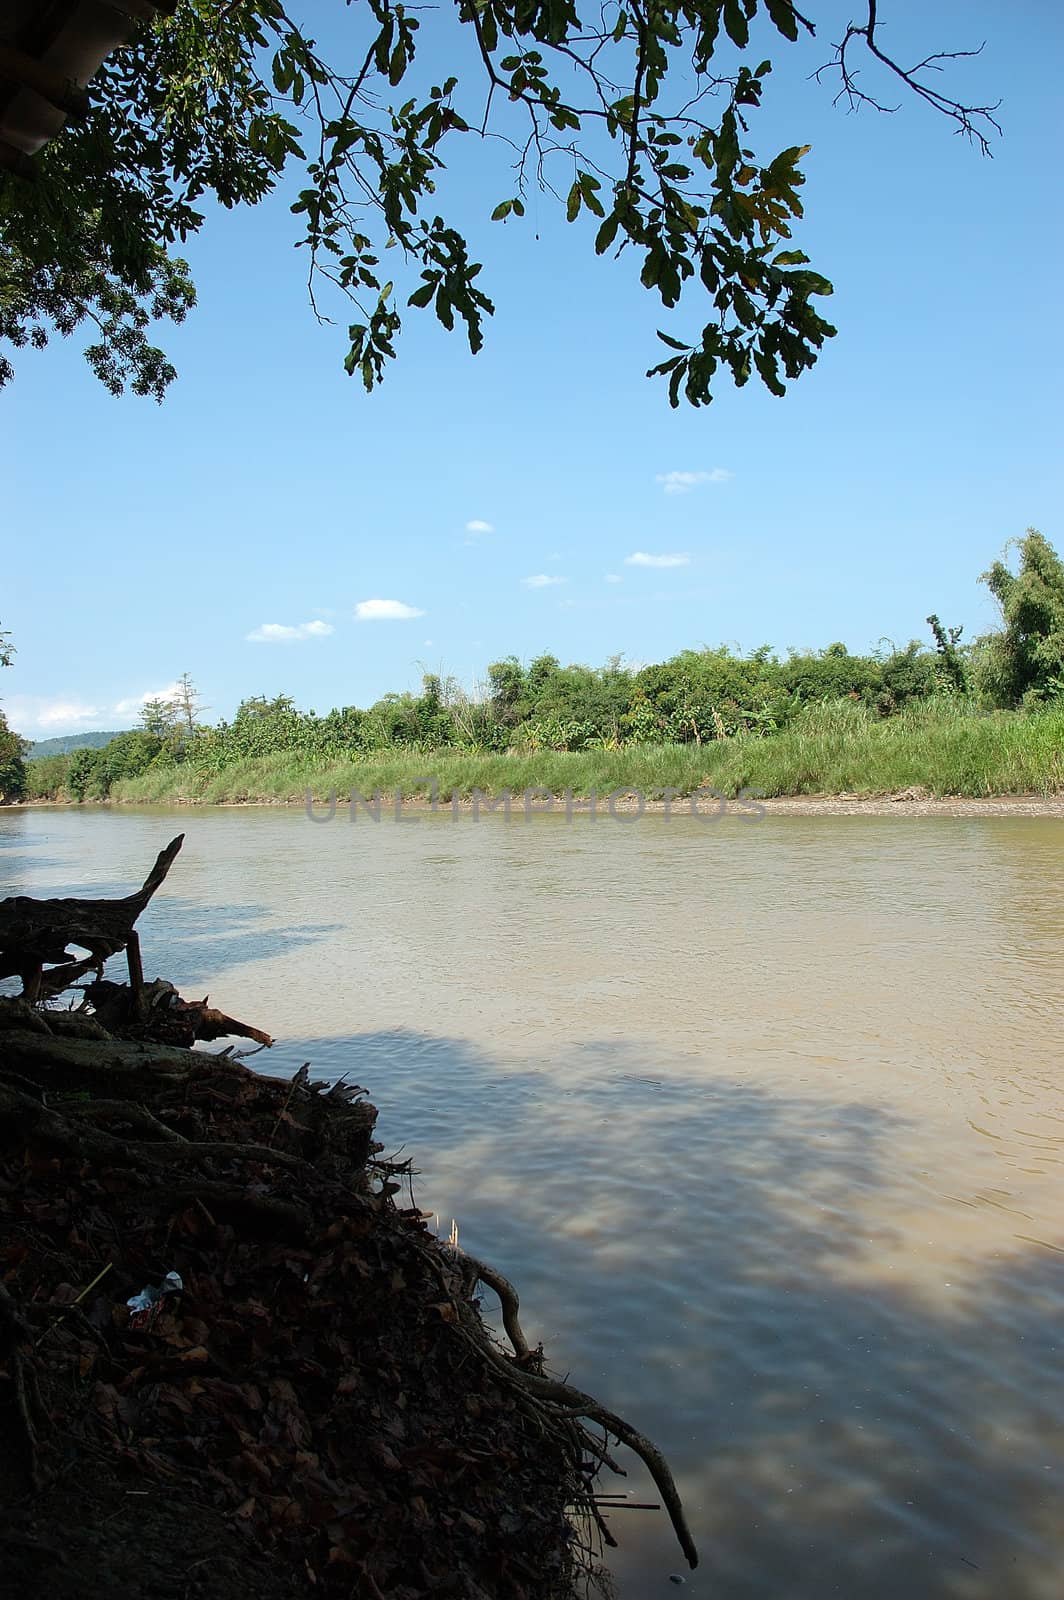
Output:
x=270 y=491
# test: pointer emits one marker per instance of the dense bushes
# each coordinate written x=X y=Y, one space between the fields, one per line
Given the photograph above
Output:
x=697 y=697
x=12 y=766
x=89 y=774
x=1025 y=661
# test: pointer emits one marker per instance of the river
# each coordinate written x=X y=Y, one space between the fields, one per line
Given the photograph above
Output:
x=764 y=1118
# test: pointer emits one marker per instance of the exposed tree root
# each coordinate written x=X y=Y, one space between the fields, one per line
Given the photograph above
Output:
x=281 y=1182
x=576 y=1403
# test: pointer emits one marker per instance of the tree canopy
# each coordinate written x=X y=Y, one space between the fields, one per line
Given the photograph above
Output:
x=12 y=748
x=637 y=113
x=1026 y=659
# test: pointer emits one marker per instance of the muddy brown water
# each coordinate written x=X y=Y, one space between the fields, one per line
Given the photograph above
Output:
x=766 y=1121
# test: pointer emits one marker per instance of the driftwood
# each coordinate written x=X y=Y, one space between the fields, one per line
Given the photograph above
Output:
x=35 y=934
x=159 y=1013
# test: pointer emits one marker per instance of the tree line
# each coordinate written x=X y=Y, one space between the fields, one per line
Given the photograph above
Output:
x=693 y=698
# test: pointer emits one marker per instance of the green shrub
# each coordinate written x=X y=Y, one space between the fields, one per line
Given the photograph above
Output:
x=12 y=764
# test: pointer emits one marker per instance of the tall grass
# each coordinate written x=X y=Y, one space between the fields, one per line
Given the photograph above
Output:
x=944 y=748
x=838 y=748
x=281 y=777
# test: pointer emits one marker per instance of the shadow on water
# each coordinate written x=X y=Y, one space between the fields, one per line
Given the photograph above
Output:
x=233 y=936
x=706 y=1257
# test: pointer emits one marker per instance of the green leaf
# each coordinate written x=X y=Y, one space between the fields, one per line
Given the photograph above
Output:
x=782 y=14
x=502 y=210
x=588 y=185
x=422 y=297
x=572 y=207
x=607 y=233
x=738 y=29
x=769 y=373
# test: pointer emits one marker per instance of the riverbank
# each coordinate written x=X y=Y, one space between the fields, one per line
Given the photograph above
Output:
x=628 y=806
x=239 y=1359
x=218 y=1299
x=837 y=750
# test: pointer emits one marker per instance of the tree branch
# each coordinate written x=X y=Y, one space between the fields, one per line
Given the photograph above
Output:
x=972 y=120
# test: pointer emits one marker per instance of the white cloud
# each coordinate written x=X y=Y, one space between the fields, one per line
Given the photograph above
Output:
x=541 y=581
x=642 y=559
x=29 y=713
x=614 y=577
x=476 y=526
x=385 y=611
x=287 y=633
x=66 y=711
x=683 y=482
x=131 y=707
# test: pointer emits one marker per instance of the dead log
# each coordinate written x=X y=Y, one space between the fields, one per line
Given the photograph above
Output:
x=159 y=1013
x=35 y=934
x=111 y=1066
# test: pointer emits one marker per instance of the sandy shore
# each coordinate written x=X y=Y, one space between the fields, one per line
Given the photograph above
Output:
x=844 y=805
x=908 y=803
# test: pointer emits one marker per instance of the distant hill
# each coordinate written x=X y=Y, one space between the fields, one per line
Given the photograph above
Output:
x=70 y=741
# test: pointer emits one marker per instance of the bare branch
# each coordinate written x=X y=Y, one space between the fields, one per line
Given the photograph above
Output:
x=973 y=121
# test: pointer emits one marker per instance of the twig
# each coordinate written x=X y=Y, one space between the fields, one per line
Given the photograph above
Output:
x=965 y=116
x=299 y=1079
x=76 y=1301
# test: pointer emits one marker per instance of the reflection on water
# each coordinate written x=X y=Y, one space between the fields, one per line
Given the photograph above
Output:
x=767 y=1121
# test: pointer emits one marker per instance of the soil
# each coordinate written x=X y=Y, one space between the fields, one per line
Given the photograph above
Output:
x=318 y=1411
